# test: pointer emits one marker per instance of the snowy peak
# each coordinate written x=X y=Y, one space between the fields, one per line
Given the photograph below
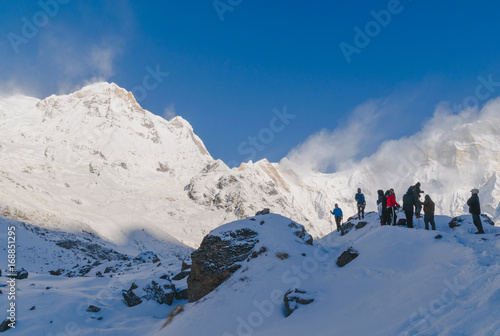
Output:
x=95 y=160
x=98 y=99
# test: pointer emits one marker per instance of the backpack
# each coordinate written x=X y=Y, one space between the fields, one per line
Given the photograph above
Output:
x=360 y=198
x=401 y=222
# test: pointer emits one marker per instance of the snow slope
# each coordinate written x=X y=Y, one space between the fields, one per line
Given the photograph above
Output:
x=404 y=282
x=57 y=305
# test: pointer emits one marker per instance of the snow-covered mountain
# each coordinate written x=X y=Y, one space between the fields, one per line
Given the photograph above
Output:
x=94 y=160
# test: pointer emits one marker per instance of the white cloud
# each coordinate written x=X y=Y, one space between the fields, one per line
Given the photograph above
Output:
x=169 y=112
x=333 y=150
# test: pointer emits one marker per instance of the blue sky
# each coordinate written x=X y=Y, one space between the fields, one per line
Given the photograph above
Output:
x=232 y=64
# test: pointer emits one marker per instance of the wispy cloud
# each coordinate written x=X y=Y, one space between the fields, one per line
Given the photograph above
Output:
x=82 y=45
x=169 y=112
x=331 y=150
x=80 y=64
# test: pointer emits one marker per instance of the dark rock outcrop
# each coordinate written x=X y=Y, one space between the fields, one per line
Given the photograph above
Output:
x=161 y=291
x=264 y=211
x=164 y=293
x=346 y=227
x=181 y=275
x=347 y=256
x=455 y=222
x=361 y=225
x=93 y=309
x=294 y=298
x=58 y=272
x=217 y=259
x=301 y=232
x=224 y=250
x=20 y=274
x=185 y=266
x=131 y=299
x=182 y=294
x=93 y=250
x=487 y=220
x=5 y=325
x=148 y=256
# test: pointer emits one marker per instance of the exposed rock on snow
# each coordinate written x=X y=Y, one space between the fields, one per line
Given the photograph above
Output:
x=224 y=250
x=5 y=325
x=218 y=257
x=131 y=299
x=181 y=275
x=486 y=219
x=263 y=212
x=161 y=291
x=58 y=272
x=347 y=256
x=20 y=274
x=294 y=298
x=93 y=309
x=91 y=249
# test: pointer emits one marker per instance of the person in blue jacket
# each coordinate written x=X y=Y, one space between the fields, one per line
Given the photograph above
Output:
x=337 y=212
x=360 y=199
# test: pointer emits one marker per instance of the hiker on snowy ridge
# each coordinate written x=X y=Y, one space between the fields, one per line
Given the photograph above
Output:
x=392 y=205
x=417 y=192
x=360 y=199
x=429 y=208
x=382 y=207
x=475 y=210
x=337 y=212
x=409 y=201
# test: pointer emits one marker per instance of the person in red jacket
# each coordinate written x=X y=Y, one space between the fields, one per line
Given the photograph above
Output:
x=392 y=205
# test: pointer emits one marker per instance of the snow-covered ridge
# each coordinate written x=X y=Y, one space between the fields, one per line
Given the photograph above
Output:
x=403 y=282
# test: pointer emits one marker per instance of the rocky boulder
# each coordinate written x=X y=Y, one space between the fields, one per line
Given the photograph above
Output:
x=224 y=250
x=217 y=258
x=294 y=298
x=347 y=256
x=6 y=324
x=19 y=274
x=131 y=299
x=161 y=291
x=487 y=220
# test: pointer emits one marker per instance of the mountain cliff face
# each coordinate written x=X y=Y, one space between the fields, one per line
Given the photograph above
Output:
x=96 y=161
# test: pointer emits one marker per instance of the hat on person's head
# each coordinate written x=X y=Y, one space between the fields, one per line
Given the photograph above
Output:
x=475 y=191
x=427 y=196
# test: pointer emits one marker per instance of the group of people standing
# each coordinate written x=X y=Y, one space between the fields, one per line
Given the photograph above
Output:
x=412 y=201
x=412 y=204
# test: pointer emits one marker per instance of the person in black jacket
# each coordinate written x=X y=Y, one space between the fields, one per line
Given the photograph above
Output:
x=409 y=202
x=418 y=205
x=382 y=208
x=475 y=210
